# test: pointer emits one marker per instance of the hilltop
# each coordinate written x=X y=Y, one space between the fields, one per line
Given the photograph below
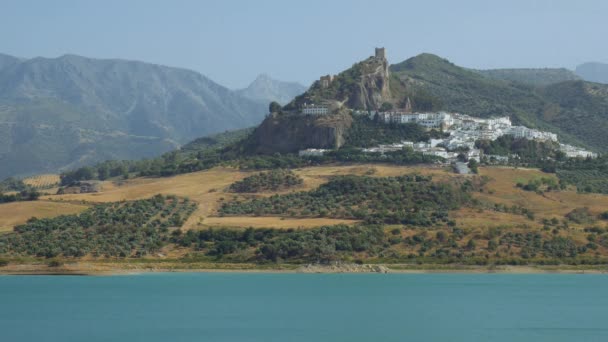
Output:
x=64 y=112
x=365 y=86
x=553 y=100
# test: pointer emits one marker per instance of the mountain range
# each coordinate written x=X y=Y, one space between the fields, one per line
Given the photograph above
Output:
x=60 y=113
x=266 y=89
x=65 y=112
x=531 y=76
x=593 y=72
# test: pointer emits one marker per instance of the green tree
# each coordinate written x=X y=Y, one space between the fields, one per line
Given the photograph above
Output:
x=274 y=107
x=386 y=106
x=492 y=245
x=471 y=244
x=103 y=172
x=473 y=165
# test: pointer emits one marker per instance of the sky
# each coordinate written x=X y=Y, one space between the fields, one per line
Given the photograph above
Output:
x=232 y=41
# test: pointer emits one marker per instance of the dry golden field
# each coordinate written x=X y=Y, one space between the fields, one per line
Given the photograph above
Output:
x=272 y=222
x=15 y=213
x=548 y=205
x=207 y=188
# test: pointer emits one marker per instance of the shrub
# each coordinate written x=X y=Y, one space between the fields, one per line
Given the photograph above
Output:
x=580 y=216
x=54 y=263
x=267 y=181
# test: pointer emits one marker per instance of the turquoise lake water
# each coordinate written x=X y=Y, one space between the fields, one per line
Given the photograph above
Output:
x=305 y=307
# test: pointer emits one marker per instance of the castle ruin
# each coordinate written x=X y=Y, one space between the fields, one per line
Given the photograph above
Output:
x=326 y=81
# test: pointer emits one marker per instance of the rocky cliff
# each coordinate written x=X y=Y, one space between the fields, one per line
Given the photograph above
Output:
x=289 y=133
x=372 y=88
x=364 y=86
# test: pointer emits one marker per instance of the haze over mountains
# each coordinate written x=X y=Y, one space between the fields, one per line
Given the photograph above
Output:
x=590 y=72
x=70 y=111
x=266 y=89
x=65 y=112
x=535 y=77
x=593 y=72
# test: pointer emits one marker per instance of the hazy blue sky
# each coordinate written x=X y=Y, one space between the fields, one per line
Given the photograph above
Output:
x=232 y=41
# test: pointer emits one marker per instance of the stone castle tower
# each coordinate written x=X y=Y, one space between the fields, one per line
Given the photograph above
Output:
x=380 y=53
x=326 y=81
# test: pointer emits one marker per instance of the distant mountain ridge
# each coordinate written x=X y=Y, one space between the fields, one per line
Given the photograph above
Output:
x=7 y=61
x=266 y=89
x=593 y=72
x=69 y=111
x=532 y=76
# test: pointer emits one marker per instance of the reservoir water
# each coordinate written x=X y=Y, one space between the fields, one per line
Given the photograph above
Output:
x=304 y=307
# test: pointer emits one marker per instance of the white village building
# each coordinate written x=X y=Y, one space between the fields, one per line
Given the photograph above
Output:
x=312 y=152
x=315 y=109
x=464 y=131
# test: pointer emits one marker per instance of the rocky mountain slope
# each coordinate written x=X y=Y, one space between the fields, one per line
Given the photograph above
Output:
x=265 y=89
x=593 y=72
x=68 y=111
x=289 y=133
x=366 y=86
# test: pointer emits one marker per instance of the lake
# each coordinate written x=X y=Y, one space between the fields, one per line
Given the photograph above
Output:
x=305 y=307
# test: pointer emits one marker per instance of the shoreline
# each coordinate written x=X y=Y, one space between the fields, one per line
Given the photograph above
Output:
x=117 y=269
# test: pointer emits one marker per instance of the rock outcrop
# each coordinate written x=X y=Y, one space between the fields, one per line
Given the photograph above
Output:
x=289 y=133
x=372 y=89
x=365 y=86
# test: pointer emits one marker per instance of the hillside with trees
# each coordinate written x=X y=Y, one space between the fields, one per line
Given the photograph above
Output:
x=122 y=229
x=534 y=77
x=415 y=200
x=272 y=180
x=70 y=111
x=574 y=109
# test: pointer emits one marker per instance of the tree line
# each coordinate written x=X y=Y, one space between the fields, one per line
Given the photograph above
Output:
x=121 y=229
x=272 y=180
